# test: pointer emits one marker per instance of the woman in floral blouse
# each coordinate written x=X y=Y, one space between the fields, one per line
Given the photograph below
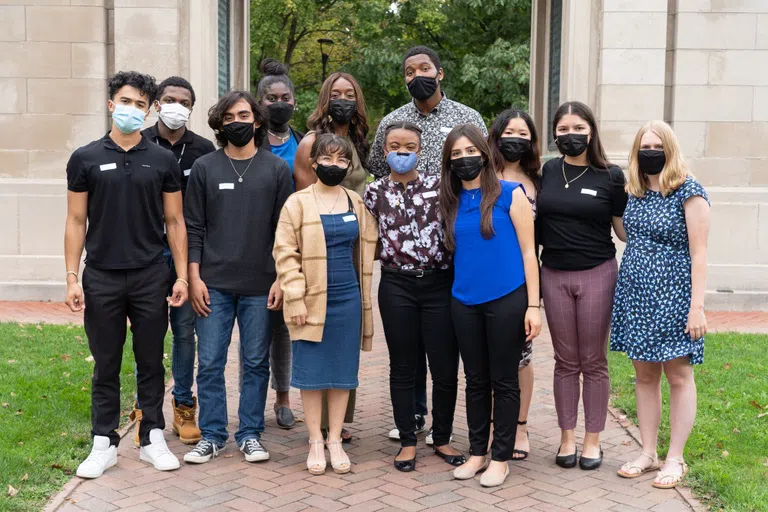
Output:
x=415 y=292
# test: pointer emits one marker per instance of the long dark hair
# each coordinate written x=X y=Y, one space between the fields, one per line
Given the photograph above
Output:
x=531 y=162
x=450 y=186
x=320 y=121
x=216 y=115
x=595 y=152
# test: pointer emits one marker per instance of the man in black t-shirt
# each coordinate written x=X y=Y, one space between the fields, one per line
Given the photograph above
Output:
x=174 y=102
x=121 y=189
x=232 y=206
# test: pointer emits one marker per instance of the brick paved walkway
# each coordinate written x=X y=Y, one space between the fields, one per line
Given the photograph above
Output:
x=283 y=484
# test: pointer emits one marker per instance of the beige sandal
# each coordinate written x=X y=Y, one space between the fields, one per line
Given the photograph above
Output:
x=627 y=470
x=343 y=465
x=316 y=465
x=676 y=478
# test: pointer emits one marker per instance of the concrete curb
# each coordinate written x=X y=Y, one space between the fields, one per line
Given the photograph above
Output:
x=59 y=499
x=634 y=432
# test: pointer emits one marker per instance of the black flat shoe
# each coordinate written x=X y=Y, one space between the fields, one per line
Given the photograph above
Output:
x=453 y=460
x=406 y=466
x=566 y=461
x=590 y=464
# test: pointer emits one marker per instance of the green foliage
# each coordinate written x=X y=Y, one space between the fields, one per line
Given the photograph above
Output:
x=728 y=447
x=484 y=46
x=45 y=408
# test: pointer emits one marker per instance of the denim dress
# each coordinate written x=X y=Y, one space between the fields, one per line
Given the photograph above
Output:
x=334 y=362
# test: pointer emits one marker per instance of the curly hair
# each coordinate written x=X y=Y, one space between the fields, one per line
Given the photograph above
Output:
x=175 y=81
x=216 y=115
x=320 y=120
x=144 y=83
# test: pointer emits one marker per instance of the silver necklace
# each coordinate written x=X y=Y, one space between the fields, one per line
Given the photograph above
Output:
x=240 y=176
x=472 y=195
x=317 y=197
x=280 y=137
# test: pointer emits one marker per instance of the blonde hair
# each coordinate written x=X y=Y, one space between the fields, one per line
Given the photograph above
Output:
x=675 y=170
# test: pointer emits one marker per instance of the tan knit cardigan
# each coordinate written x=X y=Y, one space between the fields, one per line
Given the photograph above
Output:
x=301 y=262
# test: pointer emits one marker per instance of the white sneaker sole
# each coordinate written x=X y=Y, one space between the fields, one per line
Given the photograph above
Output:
x=257 y=457
x=84 y=474
x=167 y=467
x=395 y=433
x=194 y=459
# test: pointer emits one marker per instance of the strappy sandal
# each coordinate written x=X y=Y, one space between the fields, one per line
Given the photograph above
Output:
x=676 y=478
x=628 y=469
x=521 y=452
x=342 y=465
x=316 y=465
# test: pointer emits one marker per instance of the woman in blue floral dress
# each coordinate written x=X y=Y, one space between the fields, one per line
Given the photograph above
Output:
x=658 y=310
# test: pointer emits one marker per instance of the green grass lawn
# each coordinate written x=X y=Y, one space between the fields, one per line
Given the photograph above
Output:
x=45 y=384
x=728 y=448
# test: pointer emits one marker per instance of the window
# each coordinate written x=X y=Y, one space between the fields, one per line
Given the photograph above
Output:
x=553 y=94
x=224 y=39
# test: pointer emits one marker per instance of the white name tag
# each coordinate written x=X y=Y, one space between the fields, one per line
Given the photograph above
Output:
x=187 y=171
x=349 y=218
x=431 y=193
x=226 y=186
x=108 y=167
x=445 y=129
x=589 y=191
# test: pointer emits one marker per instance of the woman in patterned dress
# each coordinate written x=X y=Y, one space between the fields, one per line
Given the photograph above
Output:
x=515 y=144
x=658 y=310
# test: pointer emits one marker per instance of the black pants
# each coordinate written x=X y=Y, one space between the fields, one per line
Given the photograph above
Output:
x=111 y=296
x=491 y=339
x=416 y=313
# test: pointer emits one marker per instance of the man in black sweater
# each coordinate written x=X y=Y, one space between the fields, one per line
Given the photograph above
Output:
x=232 y=206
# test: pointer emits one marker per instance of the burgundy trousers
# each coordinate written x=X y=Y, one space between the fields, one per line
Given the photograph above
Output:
x=578 y=306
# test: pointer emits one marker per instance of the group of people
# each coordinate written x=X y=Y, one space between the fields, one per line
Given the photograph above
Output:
x=279 y=230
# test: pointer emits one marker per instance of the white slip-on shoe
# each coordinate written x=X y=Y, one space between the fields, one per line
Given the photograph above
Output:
x=103 y=455
x=157 y=452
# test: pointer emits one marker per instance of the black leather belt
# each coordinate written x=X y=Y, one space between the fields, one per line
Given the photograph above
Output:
x=417 y=272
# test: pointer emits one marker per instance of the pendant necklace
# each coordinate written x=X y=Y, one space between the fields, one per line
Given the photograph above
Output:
x=240 y=176
x=280 y=137
x=568 y=183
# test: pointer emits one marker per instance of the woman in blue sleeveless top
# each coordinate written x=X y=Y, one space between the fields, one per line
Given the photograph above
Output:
x=489 y=224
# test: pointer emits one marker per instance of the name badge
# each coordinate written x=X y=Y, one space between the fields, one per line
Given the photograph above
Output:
x=108 y=167
x=187 y=171
x=589 y=191
x=349 y=218
x=431 y=193
x=445 y=129
x=226 y=186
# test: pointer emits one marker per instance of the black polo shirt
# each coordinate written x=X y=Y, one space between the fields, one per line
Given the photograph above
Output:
x=125 y=201
x=187 y=149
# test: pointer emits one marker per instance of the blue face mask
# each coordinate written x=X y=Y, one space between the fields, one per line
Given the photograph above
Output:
x=128 y=118
x=402 y=163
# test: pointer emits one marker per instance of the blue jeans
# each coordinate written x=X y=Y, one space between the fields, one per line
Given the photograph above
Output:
x=183 y=351
x=214 y=334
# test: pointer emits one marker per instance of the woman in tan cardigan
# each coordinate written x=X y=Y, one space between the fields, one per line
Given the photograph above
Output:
x=324 y=250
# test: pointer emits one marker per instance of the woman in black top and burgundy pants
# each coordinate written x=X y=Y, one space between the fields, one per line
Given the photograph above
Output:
x=582 y=196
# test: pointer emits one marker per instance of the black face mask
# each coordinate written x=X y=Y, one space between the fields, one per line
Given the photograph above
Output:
x=423 y=87
x=280 y=113
x=651 y=161
x=238 y=133
x=342 y=111
x=331 y=175
x=467 y=168
x=514 y=148
x=572 y=144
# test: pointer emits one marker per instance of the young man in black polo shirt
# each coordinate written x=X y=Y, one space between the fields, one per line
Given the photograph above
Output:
x=123 y=188
x=232 y=206
x=174 y=101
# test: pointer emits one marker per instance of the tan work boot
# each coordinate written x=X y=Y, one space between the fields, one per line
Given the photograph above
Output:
x=136 y=416
x=184 y=424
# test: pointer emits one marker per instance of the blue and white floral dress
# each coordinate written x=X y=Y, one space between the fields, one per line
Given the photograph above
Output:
x=653 y=293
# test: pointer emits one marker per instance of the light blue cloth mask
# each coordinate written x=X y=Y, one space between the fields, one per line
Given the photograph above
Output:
x=402 y=163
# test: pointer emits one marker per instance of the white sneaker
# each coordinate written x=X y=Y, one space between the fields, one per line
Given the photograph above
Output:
x=157 y=452
x=421 y=426
x=102 y=456
x=431 y=441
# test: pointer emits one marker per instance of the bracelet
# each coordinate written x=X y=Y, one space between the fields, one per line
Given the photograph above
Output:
x=183 y=281
x=71 y=272
x=537 y=307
